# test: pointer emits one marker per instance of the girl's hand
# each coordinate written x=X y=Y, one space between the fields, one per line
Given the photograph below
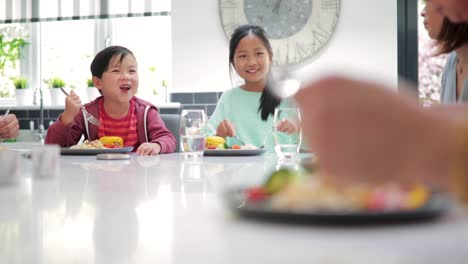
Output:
x=225 y=129
x=288 y=127
x=72 y=108
x=147 y=149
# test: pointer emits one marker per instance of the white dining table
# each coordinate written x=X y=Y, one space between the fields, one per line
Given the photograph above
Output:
x=167 y=209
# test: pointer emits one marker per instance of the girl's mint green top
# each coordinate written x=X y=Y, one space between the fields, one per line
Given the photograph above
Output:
x=241 y=108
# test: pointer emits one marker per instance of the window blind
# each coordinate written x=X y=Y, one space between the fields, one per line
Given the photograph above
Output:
x=24 y=11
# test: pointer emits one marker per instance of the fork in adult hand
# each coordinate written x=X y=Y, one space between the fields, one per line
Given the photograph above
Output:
x=89 y=117
x=3 y=117
x=6 y=113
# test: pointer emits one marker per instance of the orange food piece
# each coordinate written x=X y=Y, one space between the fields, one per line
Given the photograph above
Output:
x=235 y=147
x=417 y=197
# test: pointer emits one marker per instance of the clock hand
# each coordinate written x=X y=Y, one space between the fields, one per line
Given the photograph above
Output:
x=276 y=7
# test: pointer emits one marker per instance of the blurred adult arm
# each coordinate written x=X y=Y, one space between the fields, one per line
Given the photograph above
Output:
x=365 y=132
x=9 y=127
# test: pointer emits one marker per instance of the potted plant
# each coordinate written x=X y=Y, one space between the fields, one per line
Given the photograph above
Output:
x=22 y=91
x=12 y=42
x=56 y=95
x=91 y=90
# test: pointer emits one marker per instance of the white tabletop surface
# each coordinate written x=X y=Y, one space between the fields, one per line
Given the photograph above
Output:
x=164 y=209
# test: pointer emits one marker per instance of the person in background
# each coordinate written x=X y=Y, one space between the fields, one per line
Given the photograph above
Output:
x=120 y=113
x=364 y=132
x=455 y=10
x=9 y=127
x=247 y=111
x=450 y=38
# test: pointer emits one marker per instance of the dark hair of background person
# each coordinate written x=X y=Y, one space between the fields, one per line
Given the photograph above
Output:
x=451 y=36
x=268 y=102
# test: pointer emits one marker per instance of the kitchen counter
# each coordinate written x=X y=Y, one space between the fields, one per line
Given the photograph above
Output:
x=164 y=209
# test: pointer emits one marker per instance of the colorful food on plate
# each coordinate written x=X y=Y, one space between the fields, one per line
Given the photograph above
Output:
x=213 y=142
x=216 y=142
x=112 y=142
x=102 y=143
x=286 y=189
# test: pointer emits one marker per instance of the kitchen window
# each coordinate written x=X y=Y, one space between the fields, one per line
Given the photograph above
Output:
x=63 y=43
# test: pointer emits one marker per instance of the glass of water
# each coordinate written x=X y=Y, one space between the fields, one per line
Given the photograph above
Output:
x=287 y=132
x=192 y=132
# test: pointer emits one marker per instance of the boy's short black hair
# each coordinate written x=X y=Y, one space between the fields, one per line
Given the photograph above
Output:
x=101 y=61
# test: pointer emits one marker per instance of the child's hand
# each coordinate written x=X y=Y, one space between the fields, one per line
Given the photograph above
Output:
x=147 y=149
x=72 y=108
x=225 y=129
x=288 y=127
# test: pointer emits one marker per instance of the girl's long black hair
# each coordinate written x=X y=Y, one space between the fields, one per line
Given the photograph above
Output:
x=268 y=102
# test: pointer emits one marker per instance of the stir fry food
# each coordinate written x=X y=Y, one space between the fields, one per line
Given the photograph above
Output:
x=215 y=142
x=286 y=189
x=102 y=143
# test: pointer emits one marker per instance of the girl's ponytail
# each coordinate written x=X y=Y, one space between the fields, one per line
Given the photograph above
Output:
x=268 y=103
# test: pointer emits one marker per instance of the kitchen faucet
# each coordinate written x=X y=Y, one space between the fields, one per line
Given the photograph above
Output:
x=40 y=130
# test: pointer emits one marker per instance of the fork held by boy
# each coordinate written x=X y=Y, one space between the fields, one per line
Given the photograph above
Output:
x=89 y=117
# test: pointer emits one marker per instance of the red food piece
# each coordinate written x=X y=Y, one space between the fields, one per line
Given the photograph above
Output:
x=111 y=145
x=256 y=194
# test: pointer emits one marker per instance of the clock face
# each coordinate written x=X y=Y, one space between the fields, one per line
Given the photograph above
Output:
x=297 y=29
x=280 y=19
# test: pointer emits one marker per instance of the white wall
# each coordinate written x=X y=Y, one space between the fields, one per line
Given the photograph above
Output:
x=364 y=45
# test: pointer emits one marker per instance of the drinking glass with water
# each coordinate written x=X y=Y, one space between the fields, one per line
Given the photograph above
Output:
x=287 y=141
x=192 y=132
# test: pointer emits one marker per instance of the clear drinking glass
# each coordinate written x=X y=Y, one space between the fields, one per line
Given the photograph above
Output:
x=46 y=161
x=9 y=164
x=287 y=132
x=192 y=132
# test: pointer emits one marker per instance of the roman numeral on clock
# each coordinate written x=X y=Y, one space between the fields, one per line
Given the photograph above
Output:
x=329 y=5
x=300 y=52
x=228 y=4
x=320 y=36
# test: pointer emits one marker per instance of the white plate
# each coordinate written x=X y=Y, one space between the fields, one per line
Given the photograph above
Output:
x=69 y=151
x=236 y=200
x=234 y=152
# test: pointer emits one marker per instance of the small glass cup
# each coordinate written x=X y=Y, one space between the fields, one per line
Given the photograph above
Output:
x=45 y=160
x=287 y=141
x=9 y=164
x=192 y=133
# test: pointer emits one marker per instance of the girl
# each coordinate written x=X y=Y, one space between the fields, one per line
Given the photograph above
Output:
x=120 y=113
x=450 y=38
x=246 y=111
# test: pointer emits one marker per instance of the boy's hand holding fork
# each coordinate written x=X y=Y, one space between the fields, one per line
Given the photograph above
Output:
x=72 y=108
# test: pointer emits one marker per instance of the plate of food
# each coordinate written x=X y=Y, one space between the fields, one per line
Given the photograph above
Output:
x=103 y=145
x=285 y=196
x=217 y=146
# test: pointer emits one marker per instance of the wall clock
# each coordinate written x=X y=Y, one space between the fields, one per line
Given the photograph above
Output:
x=297 y=29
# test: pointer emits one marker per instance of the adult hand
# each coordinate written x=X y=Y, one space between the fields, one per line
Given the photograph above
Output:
x=225 y=129
x=72 y=108
x=9 y=127
x=147 y=149
x=366 y=133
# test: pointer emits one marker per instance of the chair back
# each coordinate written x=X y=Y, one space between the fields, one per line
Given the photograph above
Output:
x=172 y=122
